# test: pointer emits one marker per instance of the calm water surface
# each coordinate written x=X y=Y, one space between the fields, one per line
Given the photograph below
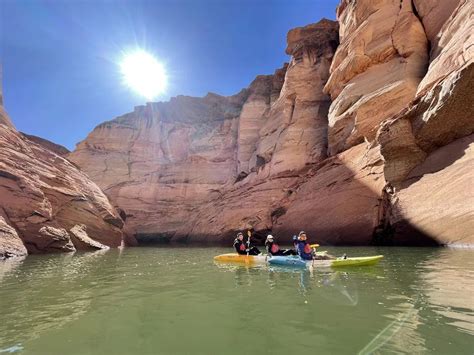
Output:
x=177 y=301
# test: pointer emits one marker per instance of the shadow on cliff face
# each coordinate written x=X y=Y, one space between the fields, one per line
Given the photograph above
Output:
x=439 y=160
x=344 y=202
x=341 y=201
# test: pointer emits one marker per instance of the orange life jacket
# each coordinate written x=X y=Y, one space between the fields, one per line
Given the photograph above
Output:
x=307 y=248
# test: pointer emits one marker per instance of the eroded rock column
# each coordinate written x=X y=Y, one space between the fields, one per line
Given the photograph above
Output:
x=376 y=70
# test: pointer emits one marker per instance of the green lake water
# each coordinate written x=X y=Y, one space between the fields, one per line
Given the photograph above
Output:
x=151 y=300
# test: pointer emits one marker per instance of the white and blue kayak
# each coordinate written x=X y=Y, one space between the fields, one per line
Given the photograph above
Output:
x=296 y=261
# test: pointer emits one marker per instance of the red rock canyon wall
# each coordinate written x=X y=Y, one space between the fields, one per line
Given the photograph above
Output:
x=44 y=198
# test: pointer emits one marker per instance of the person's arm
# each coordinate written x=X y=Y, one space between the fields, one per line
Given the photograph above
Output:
x=299 y=248
x=237 y=247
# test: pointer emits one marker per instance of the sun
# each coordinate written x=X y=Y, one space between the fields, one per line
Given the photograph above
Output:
x=143 y=74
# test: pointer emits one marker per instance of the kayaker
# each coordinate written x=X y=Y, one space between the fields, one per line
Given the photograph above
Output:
x=243 y=248
x=303 y=247
x=274 y=249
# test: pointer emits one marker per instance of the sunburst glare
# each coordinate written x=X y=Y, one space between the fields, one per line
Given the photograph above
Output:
x=143 y=74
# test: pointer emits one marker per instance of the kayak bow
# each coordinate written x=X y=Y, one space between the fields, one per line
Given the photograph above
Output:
x=296 y=261
x=241 y=259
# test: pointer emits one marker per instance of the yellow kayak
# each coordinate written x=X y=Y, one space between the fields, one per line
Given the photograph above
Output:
x=296 y=261
x=357 y=261
x=241 y=259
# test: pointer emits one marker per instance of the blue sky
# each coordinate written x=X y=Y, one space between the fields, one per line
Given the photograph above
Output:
x=60 y=58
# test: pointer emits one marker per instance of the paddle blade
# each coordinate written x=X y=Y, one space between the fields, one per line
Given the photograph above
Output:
x=314 y=245
x=249 y=233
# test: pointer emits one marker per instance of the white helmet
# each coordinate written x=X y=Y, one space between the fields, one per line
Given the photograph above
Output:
x=269 y=237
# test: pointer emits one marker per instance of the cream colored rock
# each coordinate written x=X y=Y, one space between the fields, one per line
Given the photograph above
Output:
x=399 y=149
x=10 y=243
x=428 y=153
x=83 y=241
x=252 y=119
x=453 y=47
x=4 y=118
x=434 y=14
x=437 y=198
x=297 y=122
x=445 y=113
x=376 y=69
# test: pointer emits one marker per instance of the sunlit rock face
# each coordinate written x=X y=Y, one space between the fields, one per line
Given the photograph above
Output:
x=161 y=161
x=296 y=124
x=56 y=148
x=450 y=28
x=376 y=70
x=4 y=118
x=43 y=195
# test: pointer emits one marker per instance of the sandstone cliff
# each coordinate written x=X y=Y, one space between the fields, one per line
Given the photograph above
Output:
x=364 y=136
x=43 y=196
x=55 y=148
x=428 y=146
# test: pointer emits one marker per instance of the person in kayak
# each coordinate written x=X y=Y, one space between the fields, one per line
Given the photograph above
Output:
x=274 y=249
x=303 y=247
x=243 y=248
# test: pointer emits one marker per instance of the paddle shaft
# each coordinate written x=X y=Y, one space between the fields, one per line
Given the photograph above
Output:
x=248 y=242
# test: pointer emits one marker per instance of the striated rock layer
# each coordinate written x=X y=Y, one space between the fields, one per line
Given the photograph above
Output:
x=364 y=136
x=42 y=195
x=10 y=243
x=162 y=160
x=427 y=147
x=56 y=148
x=376 y=70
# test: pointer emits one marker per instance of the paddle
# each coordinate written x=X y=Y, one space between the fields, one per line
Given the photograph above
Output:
x=249 y=234
x=313 y=246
